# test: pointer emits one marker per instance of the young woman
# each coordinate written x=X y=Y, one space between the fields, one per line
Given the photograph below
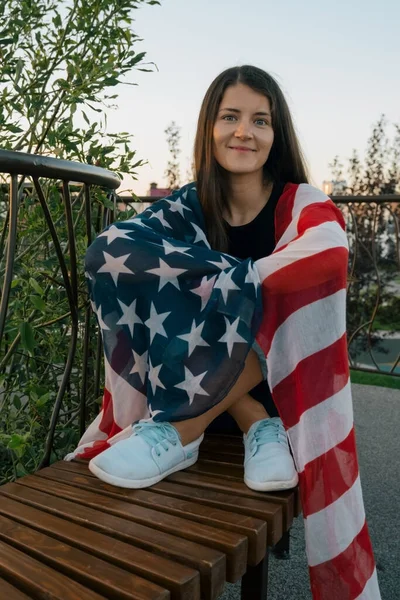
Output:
x=223 y=305
x=246 y=150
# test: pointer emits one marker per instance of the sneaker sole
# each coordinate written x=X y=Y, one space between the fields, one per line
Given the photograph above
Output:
x=138 y=483
x=272 y=486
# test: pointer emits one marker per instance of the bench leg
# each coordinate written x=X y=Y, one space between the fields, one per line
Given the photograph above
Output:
x=281 y=550
x=255 y=581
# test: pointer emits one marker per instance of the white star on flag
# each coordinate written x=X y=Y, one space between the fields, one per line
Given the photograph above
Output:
x=253 y=276
x=170 y=248
x=137 y=221
x=167 y=274
x=101 y=321
x=115 y=266
x=155 y=322
x=225 y=283
x=129 y=316
x=94 y=307
x=231 y=335
x=160 y=217
x=200 y=235
x=141 y=365
x=222 y=264
x=193 y=338
x=154 y=377
x=113 y=233
x=177 y=206
x=191 y=385
x=204 y=290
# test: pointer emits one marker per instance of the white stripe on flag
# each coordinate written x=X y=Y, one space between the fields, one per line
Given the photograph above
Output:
x=325 y=318
x=315 y=240
x=322 y=427
x=331 y=530
x=371 y=589
x=305 y=195
x=129 y=404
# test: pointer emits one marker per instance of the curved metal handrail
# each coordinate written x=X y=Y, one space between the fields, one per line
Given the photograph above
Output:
x=12 y=165
x=22 y=163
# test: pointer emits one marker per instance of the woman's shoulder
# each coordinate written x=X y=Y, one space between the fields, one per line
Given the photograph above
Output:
x=305 y=190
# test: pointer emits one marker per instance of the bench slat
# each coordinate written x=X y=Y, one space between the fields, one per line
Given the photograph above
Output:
x=235 y=460
x=254 y=529
x=10 y=592
x=212 y=563
x=285 y=498
x=89 y=570
x=236 y=473
x=137 y=503
x=183 y=583
x=39 y=580
x=271 y=513
x=36 y=492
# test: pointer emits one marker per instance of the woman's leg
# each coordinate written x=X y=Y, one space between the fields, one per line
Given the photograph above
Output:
x=251 y=375
x=247 y=411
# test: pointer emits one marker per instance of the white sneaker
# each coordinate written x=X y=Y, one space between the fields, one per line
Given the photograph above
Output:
x=152 y=452
x=268 y=464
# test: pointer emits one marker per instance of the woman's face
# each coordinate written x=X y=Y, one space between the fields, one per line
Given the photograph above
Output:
x=243 y=134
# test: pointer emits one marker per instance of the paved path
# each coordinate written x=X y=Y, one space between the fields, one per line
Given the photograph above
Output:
x=377 y=419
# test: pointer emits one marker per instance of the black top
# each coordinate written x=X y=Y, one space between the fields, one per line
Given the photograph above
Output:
x=254 y=240
x=257 y=238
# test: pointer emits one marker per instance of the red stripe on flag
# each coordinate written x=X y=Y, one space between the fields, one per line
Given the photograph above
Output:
x=284 y=209
x=317 y=214
x=329 y=476
x=305 y=387
x=345 y=576
x=107 y=424
x=299 y=284
x=92 y=451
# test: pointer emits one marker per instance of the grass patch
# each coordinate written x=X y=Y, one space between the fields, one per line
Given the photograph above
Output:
x=375 y=379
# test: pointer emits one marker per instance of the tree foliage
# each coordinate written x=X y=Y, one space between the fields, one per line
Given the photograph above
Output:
x=373 y=231
x=172 y=173
x=61 y=63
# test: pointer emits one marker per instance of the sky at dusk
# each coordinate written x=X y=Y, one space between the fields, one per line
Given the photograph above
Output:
x=338 y=64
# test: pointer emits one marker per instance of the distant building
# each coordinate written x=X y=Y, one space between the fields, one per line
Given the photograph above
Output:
x=334 y=187
x=156 y=192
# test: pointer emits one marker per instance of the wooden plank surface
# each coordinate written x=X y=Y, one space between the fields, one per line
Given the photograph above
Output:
x=135 y=505
x=70 y=536
x=254 y=529
x=239 y=489
x=10 y=592
x=79 y=566
x=211 y=563
x=40 y=581
x=183 y=583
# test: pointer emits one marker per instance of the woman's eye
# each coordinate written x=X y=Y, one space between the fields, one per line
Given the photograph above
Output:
x=261 y=122
x=228 y=117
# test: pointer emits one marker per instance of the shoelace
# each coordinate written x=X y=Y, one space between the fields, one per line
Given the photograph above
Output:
x=156 y=434
x=267 y=431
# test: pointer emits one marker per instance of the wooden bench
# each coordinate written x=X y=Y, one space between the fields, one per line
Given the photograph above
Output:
x=65 y=535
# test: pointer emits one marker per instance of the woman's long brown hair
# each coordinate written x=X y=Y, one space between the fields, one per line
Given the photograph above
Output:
x=285 y=162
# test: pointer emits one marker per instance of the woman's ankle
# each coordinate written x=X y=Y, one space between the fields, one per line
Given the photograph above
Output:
x=189 y=430
x=247 y=411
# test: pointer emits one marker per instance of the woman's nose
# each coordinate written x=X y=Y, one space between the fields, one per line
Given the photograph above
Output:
x=243 y=130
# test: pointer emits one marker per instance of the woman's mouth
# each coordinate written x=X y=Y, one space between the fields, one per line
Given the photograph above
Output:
x=241 y=149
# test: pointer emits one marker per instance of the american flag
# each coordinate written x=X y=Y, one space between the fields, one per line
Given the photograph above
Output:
x=178 y=320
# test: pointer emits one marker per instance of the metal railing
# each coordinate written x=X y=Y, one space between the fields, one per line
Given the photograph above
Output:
x=66 y=193
x=51 y=210
x=373 y=301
